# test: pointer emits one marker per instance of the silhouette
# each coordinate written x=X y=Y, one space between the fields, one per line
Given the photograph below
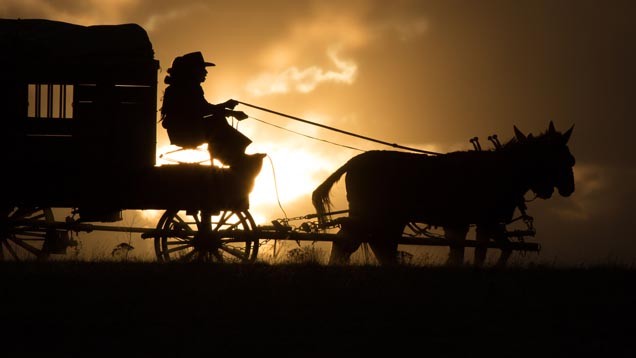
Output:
x=387 y=189
x=79 y=112
x=191 y=120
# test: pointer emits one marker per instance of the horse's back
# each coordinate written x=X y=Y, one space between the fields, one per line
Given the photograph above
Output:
x=458 y=187
x=384 y=182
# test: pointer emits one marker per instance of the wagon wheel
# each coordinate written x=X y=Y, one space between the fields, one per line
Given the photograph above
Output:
x=228 y=236
x=23 y=241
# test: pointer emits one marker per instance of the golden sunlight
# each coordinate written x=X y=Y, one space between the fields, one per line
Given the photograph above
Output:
x=288 y=174
x=172 y=154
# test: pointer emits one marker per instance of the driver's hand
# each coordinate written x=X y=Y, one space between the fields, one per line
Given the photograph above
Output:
x=239 y=115
x=231 y=103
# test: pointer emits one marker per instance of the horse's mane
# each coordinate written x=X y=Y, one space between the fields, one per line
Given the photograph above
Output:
x=543 y=137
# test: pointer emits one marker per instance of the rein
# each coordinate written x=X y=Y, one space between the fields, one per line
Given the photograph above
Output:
x=394 y=145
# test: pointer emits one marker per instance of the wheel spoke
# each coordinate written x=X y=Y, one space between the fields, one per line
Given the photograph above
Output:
x=22 y=213
x=26 y=246
x=231 y=239
x=179 y=223
x=30 y=236
x=27 y=233
x=188 y=256
x=37 y=217
x=235 y=252
x=10 y=249
x=218 y=255
x=179 y=242
x=177 y=249
x=222 y=220
x=235 y=225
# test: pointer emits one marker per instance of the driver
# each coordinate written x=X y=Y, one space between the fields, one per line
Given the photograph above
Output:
x=191 y=120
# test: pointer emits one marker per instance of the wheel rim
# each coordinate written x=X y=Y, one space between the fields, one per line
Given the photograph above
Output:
x=229 y=236
x=21 y=241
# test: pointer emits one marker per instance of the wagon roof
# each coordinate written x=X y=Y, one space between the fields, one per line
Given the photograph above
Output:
x=42 y=41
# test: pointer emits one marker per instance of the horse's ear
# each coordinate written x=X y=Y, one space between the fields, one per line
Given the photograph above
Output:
x=520 y=136
x=566 y=135
x=551 y=128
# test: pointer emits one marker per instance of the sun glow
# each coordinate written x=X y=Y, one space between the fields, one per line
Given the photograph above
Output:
x=288 y=173
x=172 y=154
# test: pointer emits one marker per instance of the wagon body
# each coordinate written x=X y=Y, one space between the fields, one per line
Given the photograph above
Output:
x=184 y=187
x=77 y=96
x=78 y=106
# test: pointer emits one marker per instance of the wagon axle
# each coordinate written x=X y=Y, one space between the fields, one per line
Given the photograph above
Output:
x=206 y=241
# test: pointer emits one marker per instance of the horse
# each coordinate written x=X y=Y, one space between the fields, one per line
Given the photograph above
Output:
x=386 y=190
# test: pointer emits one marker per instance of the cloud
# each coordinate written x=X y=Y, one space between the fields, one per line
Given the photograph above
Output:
x=310 y=54
x=589 y=183
x=155 y=21
x=295 y=63
x=88 y=12
x=304 y=80
x=601 y=192
x=407 y=30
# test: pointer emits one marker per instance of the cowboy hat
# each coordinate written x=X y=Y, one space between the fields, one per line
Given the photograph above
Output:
x=190 y=60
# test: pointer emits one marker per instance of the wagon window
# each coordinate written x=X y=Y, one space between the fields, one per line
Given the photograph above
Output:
x=50 y=100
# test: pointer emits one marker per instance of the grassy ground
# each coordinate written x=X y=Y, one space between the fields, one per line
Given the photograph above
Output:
x=83 y=309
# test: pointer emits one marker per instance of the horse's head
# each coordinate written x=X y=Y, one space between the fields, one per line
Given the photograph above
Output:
x=549 y=160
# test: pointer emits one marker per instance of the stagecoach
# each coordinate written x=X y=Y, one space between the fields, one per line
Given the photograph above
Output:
x=78 y=106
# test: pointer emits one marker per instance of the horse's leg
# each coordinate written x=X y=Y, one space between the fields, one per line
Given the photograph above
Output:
x=385 y=252
x=483 y=234
x=341 y=252
x=346 y=243
x=456 y=235
x=503 y=257
x=506 y=251
x=384 y=244
x=497 y=233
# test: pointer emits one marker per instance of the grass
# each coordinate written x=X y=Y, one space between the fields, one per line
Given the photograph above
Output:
x=309 y=309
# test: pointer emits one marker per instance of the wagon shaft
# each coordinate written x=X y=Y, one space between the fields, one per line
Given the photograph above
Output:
x=265 y=233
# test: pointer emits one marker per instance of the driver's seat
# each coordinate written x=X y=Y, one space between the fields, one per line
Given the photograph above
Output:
x=185 y=140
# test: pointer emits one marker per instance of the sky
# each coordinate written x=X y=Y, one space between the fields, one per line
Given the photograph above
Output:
x=424 y=74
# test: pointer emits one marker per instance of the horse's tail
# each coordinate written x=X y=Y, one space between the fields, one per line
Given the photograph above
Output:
x=320 y=197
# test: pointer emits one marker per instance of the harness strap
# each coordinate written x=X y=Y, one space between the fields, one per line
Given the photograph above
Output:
x=394 y=145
